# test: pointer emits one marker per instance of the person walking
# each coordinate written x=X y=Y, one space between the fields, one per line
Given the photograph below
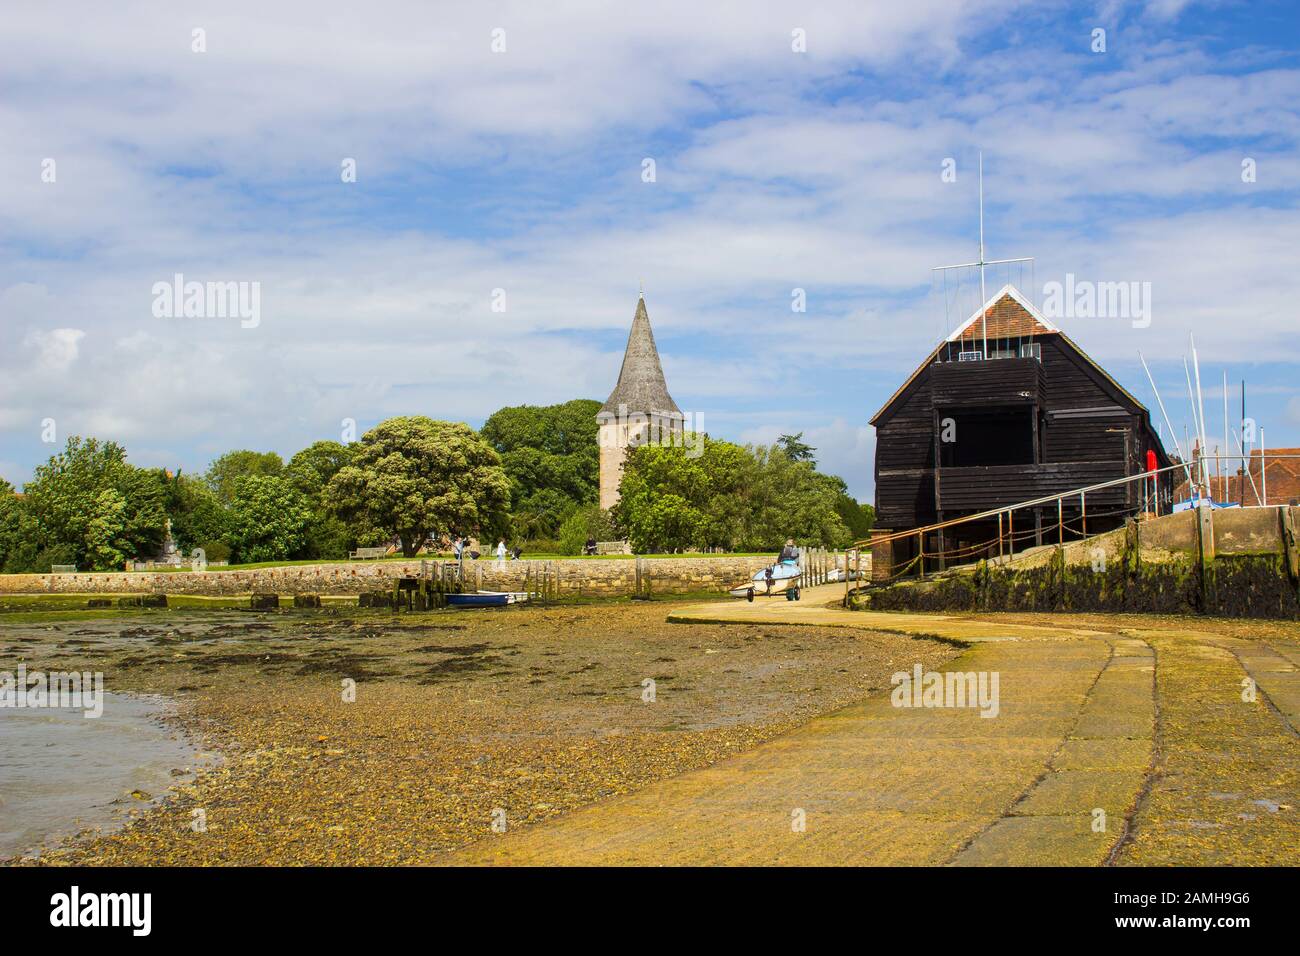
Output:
x=501 y=554
x=789 y=552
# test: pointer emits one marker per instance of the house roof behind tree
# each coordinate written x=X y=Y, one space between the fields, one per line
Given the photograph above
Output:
x=641 y=386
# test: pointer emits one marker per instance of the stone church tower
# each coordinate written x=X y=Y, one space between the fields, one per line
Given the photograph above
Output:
x=639 y=410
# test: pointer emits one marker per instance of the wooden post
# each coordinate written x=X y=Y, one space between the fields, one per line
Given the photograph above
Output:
x=920 y=553
x=1083 y=510
x=1205 y=554
x=1060 y=522
x=999 y=534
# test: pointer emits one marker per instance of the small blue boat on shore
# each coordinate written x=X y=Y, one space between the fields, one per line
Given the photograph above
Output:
x=487 y=598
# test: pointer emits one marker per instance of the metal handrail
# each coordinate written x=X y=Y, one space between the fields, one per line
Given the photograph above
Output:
x=1035 y=502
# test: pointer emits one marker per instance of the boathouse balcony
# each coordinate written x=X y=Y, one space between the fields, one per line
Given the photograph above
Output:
x=998 y=381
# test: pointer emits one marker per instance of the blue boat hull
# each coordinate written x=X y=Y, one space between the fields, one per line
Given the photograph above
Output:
x=486 y=599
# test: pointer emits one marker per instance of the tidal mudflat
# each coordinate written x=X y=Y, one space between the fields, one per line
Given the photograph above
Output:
x=459 y=720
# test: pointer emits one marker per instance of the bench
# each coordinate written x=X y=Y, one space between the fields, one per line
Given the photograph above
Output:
x=612 y=547
x=362 y=554
x=63 y=569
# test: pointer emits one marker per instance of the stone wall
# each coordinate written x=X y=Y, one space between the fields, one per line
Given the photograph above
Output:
x=585 y=578
x=1231 y=562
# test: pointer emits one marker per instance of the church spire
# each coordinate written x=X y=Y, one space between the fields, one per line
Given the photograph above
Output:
x=641 y=386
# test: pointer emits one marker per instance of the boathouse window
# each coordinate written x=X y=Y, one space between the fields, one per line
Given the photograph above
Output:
x=1031 y=350
x=970 y=357
x=989 y=436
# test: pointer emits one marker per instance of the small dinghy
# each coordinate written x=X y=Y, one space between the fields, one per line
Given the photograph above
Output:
x=487 y=598
x=776 y=579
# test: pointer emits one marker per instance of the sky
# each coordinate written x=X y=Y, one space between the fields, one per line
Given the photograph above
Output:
x=503 y=215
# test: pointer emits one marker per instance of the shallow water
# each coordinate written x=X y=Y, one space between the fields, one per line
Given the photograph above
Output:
x=60 y=772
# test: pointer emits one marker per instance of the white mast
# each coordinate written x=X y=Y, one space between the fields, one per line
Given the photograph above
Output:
x=1172 y=434
x=1223 y=463
x=984 y=324
x=981 y=263
x=1200 y=402
x=1196 y=430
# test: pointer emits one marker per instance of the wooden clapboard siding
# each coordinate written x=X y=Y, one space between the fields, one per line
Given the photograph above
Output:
x=1004 y=381
x=1086 y=428
x=981 y=488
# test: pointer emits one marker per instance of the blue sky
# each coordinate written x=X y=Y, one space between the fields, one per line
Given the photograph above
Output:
x=522 y=170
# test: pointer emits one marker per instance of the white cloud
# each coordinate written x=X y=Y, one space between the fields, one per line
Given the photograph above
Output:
x=54 y=350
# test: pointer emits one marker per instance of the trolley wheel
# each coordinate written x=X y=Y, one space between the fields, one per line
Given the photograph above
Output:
x=749 y=595
x=796 y=594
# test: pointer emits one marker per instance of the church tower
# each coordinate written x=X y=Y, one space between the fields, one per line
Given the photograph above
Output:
x=639 y=411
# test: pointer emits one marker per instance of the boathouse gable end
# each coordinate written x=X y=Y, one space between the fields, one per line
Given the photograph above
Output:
x=1002 y=411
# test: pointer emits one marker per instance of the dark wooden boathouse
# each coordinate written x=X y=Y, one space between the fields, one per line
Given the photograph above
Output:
x=1006 y=410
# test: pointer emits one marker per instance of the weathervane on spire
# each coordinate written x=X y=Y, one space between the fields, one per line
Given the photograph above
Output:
x=641 y=283
x=981 y=263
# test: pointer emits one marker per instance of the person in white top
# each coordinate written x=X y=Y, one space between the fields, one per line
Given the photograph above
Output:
x=501 y=554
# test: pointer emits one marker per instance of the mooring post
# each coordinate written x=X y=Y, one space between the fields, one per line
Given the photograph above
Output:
x=1060 y=522
x=1290 y=546
x=1083 y=510
x=920 y=553
x=1205 y=553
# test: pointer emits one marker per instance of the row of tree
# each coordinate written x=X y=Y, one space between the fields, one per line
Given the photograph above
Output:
x=529 y=475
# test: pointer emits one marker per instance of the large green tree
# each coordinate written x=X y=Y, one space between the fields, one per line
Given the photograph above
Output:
x=310 y=471
x=199 y=519
x=551 y=455
x=414 y=476
x=18 y=537
x=740 y=498
x=225 y=472
x=89 y=504
x=671 y=499
x=269 y=519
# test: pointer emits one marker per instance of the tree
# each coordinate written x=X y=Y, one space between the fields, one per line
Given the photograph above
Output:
x=225 y=471
x=89 y=504
x=269 y=519
x=18 y=544
x=310 y=471
x=199 y=520
x=749 y=498
x=670 y=501
x=589 y=521
x=796 y=449
x=414 y=476
x=551 y=454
